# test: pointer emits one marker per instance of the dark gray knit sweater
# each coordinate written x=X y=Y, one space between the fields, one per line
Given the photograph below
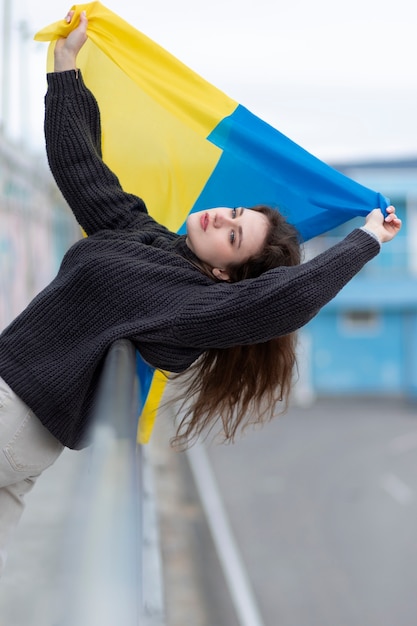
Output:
x=132 y=278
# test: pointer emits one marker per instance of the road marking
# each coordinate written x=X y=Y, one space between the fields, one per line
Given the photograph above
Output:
x=397 y=489
x=227 y=549
x=403 y=443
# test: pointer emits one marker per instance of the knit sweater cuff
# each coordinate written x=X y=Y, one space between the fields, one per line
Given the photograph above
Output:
x=61 y=82
x=366 y=230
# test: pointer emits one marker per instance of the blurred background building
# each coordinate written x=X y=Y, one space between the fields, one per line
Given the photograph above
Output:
x=364 y=342
x=36 y=228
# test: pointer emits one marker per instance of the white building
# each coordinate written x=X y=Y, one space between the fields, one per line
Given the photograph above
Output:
x=36 y=228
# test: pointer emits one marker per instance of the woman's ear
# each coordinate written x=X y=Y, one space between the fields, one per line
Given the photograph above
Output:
x=220 y=274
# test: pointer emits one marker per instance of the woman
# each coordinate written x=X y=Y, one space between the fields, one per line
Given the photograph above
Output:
x=225 y=300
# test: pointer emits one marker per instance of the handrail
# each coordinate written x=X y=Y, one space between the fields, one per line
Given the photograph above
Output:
x=113 y=537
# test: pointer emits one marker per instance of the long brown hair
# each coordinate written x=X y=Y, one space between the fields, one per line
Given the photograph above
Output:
x=242 y=385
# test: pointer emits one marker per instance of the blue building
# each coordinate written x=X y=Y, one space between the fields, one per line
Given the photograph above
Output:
x=365 y=341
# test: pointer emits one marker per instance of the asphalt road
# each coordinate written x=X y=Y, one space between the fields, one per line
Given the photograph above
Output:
x=323 y=503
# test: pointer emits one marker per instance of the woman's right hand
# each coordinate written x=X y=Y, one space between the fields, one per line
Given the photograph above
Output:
x=384 y=228
x=67 y=48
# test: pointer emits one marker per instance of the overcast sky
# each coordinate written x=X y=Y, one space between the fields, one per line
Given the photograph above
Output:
x=337 y=78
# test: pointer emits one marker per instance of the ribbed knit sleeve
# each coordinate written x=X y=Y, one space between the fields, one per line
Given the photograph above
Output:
x=73 y=145
x=277 y=303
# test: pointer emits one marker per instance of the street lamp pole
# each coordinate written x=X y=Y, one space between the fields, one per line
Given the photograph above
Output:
x=5 y=70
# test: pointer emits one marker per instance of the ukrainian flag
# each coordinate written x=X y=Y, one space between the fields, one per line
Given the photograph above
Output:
x=183 y=145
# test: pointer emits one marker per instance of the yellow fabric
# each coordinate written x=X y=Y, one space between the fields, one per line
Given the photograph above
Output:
x=156 y=114
x=150 y=410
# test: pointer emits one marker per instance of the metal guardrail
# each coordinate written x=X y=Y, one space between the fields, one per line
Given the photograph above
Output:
x=113 y=570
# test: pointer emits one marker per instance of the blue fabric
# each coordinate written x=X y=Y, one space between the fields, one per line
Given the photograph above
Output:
x=145 y=374
x=259 y=165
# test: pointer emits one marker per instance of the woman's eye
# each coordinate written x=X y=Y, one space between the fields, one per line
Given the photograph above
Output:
x=232 y=236
x=234 y=213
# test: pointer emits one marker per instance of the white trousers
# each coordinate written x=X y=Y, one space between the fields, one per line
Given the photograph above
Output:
x=26 y=449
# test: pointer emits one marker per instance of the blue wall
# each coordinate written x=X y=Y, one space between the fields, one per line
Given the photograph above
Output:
x=349 y=360
x=365 y=341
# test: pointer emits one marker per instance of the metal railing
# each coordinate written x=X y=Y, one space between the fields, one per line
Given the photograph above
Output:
x=113 y=569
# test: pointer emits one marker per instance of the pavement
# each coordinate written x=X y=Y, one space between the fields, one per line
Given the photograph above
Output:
x=323 y=504
x=30 y=590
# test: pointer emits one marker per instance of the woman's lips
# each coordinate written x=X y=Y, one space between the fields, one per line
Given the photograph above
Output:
x=204 y=220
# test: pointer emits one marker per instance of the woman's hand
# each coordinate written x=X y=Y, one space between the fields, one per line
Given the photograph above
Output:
x=384 y=228
x=67 y=48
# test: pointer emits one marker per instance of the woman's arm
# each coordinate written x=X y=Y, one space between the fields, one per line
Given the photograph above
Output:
x=73 y=143
x=276 y=303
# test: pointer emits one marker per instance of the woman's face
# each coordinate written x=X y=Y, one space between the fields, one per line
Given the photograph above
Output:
x=224 y=236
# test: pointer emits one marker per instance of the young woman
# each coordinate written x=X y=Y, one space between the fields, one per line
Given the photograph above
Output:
x=225 y=300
